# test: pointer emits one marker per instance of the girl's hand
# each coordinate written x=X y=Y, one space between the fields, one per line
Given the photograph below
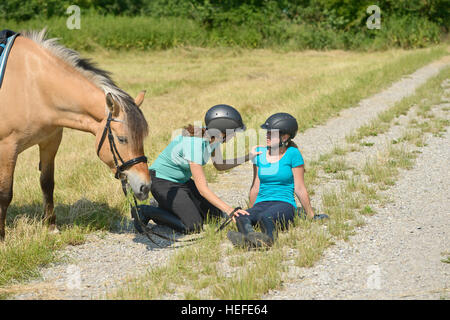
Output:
x=253 y=153
x=236 y=213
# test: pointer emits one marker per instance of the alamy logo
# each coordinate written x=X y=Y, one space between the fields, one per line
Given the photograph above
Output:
x=374 y=279
x=73 y=280
x=374 y=21
x=74 y=20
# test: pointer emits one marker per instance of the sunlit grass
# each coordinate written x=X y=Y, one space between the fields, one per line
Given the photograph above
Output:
x=181 y=85
x=255 y=273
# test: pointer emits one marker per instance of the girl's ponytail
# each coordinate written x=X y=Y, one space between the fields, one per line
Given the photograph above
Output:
x=292 y=144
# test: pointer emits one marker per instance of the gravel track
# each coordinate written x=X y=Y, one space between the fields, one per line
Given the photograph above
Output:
x=102 y=263
x=397 y=254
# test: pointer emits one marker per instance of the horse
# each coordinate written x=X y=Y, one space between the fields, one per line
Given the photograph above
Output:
x=48 y=87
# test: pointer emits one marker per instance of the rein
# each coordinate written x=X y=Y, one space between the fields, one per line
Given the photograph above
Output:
x=148 y=232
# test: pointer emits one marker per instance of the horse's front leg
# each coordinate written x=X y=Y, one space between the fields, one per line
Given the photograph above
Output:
x=8 y=158
x=47 y=152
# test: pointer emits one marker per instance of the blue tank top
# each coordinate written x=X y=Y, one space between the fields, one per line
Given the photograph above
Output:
x=276 y=179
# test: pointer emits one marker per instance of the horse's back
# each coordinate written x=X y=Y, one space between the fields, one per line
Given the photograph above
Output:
x=20 y=95
x=15 y=83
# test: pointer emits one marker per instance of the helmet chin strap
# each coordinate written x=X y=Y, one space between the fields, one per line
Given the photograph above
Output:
x=281 y=144
x=284 y=143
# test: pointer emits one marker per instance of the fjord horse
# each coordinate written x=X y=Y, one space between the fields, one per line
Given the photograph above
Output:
x=48 y=87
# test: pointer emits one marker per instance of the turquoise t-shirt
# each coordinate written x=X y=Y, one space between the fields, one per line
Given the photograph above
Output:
x=276 y=179
x=173 y=162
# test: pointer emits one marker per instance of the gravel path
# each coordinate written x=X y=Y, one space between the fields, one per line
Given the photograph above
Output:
x=96 y=267
x=398 y=253
x=323 y=138
x=105 y=260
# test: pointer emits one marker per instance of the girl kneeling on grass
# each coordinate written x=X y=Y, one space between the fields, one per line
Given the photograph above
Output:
x=278 y=173
x=184 y=203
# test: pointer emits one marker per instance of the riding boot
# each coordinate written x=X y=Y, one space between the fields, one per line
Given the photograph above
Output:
x=252 y=238
x=268 y=227
x=244 y=225
x=161 y=217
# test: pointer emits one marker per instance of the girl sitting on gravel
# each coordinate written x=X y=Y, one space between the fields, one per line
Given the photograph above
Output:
x=183 y=203
x=278 y=173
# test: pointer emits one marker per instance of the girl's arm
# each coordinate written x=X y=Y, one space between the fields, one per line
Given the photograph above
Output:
x=300 y=190
x=219 y=164
x=202 y=185
x=254 y=189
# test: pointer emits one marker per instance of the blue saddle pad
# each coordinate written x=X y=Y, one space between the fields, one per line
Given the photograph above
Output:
x=7 y=38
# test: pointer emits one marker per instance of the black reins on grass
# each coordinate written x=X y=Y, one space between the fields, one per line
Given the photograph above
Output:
x=149 y=232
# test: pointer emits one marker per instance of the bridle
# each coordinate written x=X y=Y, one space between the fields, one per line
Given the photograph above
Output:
x=126 y=165
x=115 y=153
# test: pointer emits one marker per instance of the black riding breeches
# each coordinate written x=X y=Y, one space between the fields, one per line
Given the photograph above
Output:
x=184 y=202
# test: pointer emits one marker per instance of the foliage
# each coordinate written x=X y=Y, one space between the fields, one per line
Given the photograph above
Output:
x=294 y=24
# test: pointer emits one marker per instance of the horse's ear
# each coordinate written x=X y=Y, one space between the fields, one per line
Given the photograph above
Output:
x=112 y=105
x=140 y=98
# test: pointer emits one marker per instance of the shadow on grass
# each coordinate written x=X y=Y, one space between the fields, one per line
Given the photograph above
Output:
x=82 y=213
x=161 y=243
x=95 y=216
x=180 y=239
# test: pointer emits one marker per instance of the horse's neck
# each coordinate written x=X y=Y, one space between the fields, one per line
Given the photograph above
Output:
x=75 y=102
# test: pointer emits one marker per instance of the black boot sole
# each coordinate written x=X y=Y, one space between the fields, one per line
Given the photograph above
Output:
x=259 y=240
x=252 y=240
x=237 y=239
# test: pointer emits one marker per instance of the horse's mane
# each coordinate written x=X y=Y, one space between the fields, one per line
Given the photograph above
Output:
x=137 y=125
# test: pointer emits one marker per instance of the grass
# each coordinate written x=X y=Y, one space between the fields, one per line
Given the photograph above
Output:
x=242 y=28
x=311 y=87
x=367 y=210
x=249 y=275
x=433 y=126
x=378 y=173
x=181 y=85
x=447 y=259
x=199 y=268
x=412 y=136
x=384 y=120
x=339 y=151
x=32 y=245
x=335 y=166
x=355 y=184
x=214 y=270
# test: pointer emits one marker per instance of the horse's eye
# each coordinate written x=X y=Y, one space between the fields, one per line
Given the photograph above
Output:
x=122 y=139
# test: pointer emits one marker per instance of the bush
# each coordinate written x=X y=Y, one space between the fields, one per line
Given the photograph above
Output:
x=121 y=33
x=288 y=24
x=406 y=32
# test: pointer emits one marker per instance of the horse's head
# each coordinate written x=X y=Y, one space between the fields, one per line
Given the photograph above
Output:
x=120 y=145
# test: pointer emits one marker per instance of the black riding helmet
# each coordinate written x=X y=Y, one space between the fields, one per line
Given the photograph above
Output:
x=284 y=122
x=223 y=117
